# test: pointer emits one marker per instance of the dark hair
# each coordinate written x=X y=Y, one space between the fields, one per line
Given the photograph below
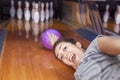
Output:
x=64 y=40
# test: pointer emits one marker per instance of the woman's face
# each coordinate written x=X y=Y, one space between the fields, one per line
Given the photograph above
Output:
x=69 y=53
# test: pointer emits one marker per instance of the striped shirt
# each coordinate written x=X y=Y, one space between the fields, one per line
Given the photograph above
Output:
x=96 y=65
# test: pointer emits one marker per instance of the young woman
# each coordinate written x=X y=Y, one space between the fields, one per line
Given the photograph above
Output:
x=100 y=61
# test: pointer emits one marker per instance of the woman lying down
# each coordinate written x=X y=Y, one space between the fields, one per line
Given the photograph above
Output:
x=100 y=61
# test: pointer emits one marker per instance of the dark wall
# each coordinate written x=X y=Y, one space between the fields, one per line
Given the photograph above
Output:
x=112 y=9
x=58 y=9
x=57 y=6
x=0 y=10
x=5 y=7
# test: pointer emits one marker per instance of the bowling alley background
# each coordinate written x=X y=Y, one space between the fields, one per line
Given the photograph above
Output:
x=69 y=12
x=6 y=4
x=58 y=4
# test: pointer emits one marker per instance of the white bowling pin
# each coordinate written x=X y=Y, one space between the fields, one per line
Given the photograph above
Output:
x=42 y=17
x=33 y=10
x=12 y=9
x=51 y=10
x=25 y=7
x=97 y=5
x=105 y=24
x=117 y=15
x=39 y=7
x=116 y=28
x=19 y=11
x=36 y=32
x=106 y=14
x=36 y=14
x=47 y=11
x=27 y=12
x=27 y=29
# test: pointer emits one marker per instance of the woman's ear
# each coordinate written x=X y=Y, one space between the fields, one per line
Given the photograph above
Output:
x=78 y=44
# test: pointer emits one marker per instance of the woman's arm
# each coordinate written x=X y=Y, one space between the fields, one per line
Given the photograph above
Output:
x=109 y=45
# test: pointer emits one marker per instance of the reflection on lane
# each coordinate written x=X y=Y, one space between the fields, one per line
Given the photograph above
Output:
x=12 y=24
x=20 y=24
x=29 y=29
x=35 y=31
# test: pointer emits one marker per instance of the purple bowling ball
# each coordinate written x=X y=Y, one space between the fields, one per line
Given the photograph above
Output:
x=45 y=40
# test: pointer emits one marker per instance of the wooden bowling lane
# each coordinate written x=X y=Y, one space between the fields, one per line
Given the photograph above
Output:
x=23 y=58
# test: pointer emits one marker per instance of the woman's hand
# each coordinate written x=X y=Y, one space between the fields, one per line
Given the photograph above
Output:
x=53 y=38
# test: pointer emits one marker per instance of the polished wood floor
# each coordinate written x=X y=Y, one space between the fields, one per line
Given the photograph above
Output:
x=24 y=58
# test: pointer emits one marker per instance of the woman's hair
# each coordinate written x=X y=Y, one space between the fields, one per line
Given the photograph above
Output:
x=64 y=40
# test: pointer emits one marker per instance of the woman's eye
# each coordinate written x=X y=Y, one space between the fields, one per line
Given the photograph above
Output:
x=64 y=48
x=61 y=57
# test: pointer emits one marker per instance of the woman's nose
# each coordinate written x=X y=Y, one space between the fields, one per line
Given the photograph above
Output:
x=66 y=55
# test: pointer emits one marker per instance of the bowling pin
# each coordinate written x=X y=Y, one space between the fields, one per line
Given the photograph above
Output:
x=105 y=24
x=25 y=7
x=106 y=14
x=27 y=12
x=117 y=15
x=36 y=14
x=12 y=9
x=47 y=11
x=39 y=7
x=36 y=32
x=51 y=10
x=33 y=10
x=27 y=29
x=19 y=11
x=116 y=28
x=97 y=5
x=42 y=17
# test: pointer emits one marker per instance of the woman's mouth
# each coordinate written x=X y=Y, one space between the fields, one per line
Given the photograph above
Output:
x=73 y=58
